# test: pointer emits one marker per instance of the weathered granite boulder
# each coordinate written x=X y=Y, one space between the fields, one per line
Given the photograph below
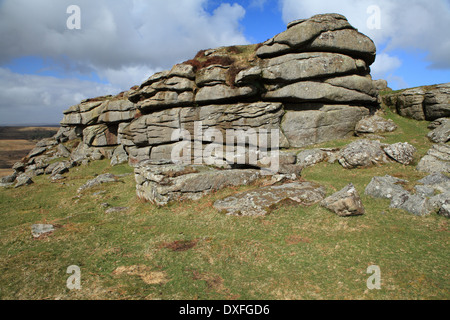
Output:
x=261 y=201
x=23 y=180
x=362 y=153
x=375 y=124
x=385 y=187
x=345 y=203
x=8 y=181
x=436 y=160
x=401 y=152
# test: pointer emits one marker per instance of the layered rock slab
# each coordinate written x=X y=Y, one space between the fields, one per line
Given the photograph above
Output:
x=261 y=201
x=163 y=182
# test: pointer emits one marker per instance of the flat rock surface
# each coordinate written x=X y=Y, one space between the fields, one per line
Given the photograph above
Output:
x=260 y=202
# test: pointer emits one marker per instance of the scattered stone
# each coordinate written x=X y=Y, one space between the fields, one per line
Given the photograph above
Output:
x=401 y=152
x=345 y=203
x=36 y=152
x=103 y=178
x=60 y=168
x=116 y=210
x=419 y=204
x=261 y=201
x=385 y=187
x=413 y=203
x=57 y=178
x=39 y=230
x=310 y=158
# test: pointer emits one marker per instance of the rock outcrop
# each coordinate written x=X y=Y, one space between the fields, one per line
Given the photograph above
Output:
x=311 y=82
x=421 y=103
x=307 y=85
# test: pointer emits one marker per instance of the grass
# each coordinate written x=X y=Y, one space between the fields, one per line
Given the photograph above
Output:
x=190 y=251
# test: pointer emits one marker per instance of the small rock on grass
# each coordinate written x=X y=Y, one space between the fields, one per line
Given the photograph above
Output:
x=38 y=230
x=345 y=203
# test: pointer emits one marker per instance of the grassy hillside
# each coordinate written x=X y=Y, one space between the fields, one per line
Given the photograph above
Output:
x=190 y=251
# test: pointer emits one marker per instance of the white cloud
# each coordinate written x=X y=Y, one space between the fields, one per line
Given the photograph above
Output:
x=124 y=42
x=384 y=64
x=405 y=24
x=117 y=35
x=33 y=99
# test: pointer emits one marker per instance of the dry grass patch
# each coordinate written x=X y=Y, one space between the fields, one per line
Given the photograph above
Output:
x=144 y=272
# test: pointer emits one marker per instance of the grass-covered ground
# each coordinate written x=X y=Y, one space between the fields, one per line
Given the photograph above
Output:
x=190 y=251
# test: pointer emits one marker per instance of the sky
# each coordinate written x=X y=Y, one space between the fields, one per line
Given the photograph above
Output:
x=52 y=57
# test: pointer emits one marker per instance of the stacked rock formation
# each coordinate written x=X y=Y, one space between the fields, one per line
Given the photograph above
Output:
x=310 y=83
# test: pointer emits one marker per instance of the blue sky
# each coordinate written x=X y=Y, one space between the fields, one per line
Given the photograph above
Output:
x=45 y=67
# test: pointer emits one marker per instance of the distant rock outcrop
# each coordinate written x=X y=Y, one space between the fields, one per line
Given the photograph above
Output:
x=421 y=103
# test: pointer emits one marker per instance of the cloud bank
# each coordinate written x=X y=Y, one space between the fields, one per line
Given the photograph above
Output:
x=124 y=42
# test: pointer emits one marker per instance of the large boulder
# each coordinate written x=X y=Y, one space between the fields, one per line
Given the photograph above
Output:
x=362 y=153
x=375 y=124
